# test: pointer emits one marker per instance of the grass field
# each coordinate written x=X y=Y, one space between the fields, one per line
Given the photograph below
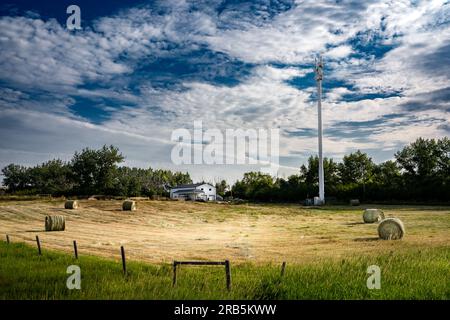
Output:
x=327 y=251
x=417 y=274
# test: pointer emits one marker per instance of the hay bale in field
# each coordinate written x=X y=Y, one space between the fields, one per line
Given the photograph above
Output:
x=391 y=229
x=55 y=223
x=354 y=202
x=71 y=204
x=129 y=205
x=373 y=215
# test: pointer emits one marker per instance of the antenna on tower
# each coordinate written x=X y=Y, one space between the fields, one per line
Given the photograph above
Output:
x=319 y=68
x=319 y=77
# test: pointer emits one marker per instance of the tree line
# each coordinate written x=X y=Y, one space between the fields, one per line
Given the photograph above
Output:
x=420 y=172
x=90 y=172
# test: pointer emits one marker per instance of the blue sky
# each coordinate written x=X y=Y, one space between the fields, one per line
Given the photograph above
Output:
x=140 y=69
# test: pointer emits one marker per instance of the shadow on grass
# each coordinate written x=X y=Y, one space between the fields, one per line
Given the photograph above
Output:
x=353 y=223
x=366 y=239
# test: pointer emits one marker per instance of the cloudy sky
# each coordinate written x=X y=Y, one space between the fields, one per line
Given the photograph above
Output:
x=139 y=70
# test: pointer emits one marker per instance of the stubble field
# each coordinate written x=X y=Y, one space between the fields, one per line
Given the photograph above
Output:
x=327 y=250
x=161 y=231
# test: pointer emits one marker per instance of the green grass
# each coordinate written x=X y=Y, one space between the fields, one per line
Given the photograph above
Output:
x=415 y=274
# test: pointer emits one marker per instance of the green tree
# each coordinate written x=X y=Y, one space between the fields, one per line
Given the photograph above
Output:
x=387 y=173
x=386 y=182
x=356 y=167
x=128 y=181
x=94 y=170
x=420 y=159
x=148 y=182
x=426 y=167
x=443 y=150
x=180 y=178
x=310 y=175
x=16 y=177
x=53 y=177
x=254 y=185
x=291 y=189
x=221 y=187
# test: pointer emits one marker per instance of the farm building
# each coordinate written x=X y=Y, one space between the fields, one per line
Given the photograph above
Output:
x=196 y=191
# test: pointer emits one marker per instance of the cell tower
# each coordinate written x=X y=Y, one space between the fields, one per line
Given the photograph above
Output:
x=319 y=77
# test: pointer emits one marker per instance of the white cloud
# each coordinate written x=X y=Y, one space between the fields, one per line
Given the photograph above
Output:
x=339 y=52
x=43 y=55
x=45 y=67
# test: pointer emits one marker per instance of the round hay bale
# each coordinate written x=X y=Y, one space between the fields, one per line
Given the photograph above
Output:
x=55 y=223
x=391 y=229
x=354 y=202
x=71 y=204
x=129 y=205
x=373 y=215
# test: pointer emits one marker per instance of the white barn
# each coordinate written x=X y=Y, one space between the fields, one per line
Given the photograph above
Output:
x=196 y=191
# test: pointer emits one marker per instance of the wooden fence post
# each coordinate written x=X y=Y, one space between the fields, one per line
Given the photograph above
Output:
x=38 y=245
x=124 y=264
x=283 y=268
x=7 y=239
x=228 y=274
x=174 y=281
x=75 y=249
x=225 y=263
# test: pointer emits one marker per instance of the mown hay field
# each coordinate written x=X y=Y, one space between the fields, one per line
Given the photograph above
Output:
x=163 y=231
